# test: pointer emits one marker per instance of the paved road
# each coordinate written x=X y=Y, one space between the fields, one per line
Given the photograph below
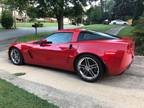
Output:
x=125 y=91
x=115 y=31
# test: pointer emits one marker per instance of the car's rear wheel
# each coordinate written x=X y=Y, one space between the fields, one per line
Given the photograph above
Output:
x=16 y=56
x=89 y=68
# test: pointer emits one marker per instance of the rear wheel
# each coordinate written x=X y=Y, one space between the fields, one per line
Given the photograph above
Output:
x=89 y=68
x=16 y=56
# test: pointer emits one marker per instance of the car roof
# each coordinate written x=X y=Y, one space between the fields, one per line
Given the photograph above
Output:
x=70 y=30
x=117 y=20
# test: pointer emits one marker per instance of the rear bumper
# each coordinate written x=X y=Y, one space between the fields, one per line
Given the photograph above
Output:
x=118 y=64
x=126 y=68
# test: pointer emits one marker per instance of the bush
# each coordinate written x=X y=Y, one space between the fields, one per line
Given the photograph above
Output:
x=139 y=36
x=38 y=24
x=7 y=19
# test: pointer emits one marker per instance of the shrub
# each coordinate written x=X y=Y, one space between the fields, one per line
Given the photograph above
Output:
x=139 y=36
x=7 y=19
x=38 y=24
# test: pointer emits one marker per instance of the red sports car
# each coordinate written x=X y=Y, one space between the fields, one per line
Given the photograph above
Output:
x=90 y=54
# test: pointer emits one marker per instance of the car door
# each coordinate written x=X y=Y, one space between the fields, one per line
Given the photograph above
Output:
x=55 y=54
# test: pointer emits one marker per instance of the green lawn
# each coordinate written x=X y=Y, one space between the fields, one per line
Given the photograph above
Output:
x=14 y=97
x=99 y=27
x=24 y=24
x=2 y=29
x=126 y=32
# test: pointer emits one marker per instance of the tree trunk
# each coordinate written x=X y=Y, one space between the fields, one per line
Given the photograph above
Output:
x=102 y=7
x=60 y=23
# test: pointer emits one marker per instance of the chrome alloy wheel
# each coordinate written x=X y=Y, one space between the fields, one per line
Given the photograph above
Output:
x=15 y=56
x=88 y=68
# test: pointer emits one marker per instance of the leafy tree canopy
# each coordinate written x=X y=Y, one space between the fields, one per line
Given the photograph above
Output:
x=133 y=8
x=94 y=15
x=60 y=8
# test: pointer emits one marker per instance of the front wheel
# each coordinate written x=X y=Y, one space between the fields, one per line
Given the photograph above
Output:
x=15 y=56
x=89 y=68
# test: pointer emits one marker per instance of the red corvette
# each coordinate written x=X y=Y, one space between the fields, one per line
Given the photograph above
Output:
x=90 y=54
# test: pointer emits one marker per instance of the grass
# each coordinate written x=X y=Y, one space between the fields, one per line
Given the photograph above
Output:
x=99 y=27
x=32 y=37
x=126 y=32
x=29 y=24
x=14 y=97
x=2 y=29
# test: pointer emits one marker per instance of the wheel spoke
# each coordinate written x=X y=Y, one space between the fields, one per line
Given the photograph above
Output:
x=85 y=72
x=93 y=66
x=87 y=62
x=82 y=66
x=91 y=73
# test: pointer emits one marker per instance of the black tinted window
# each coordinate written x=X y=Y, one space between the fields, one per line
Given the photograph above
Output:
x=60 y=37
x=94 y=36
x=106 y=36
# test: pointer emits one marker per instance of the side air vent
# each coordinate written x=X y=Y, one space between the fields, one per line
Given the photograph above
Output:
x=30 y=54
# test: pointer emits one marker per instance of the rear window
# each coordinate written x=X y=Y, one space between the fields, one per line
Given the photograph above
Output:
x=87 y=35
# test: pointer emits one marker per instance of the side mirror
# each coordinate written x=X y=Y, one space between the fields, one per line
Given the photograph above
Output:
x=44 y=42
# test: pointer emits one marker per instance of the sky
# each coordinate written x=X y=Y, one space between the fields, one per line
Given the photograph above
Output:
x=93 y=3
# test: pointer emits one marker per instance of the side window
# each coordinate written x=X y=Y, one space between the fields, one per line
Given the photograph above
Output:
x=87 y=36
x=63 y=37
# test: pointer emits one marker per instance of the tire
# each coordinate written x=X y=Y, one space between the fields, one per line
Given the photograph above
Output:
x=89 y=68
x=16 y=56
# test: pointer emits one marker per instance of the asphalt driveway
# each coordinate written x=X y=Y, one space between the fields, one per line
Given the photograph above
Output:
x=125 y=91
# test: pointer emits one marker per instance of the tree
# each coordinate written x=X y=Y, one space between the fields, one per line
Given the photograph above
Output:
x=7 y=19
x=94 y=15
x=102 y=6
x=51 y=8
x=123 y=8
x=32 y=12
x=58 y=8
x=109 y=4
x=75 y=13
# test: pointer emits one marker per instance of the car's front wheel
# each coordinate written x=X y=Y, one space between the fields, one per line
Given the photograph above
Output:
x=89 y=68
x=16 y=56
